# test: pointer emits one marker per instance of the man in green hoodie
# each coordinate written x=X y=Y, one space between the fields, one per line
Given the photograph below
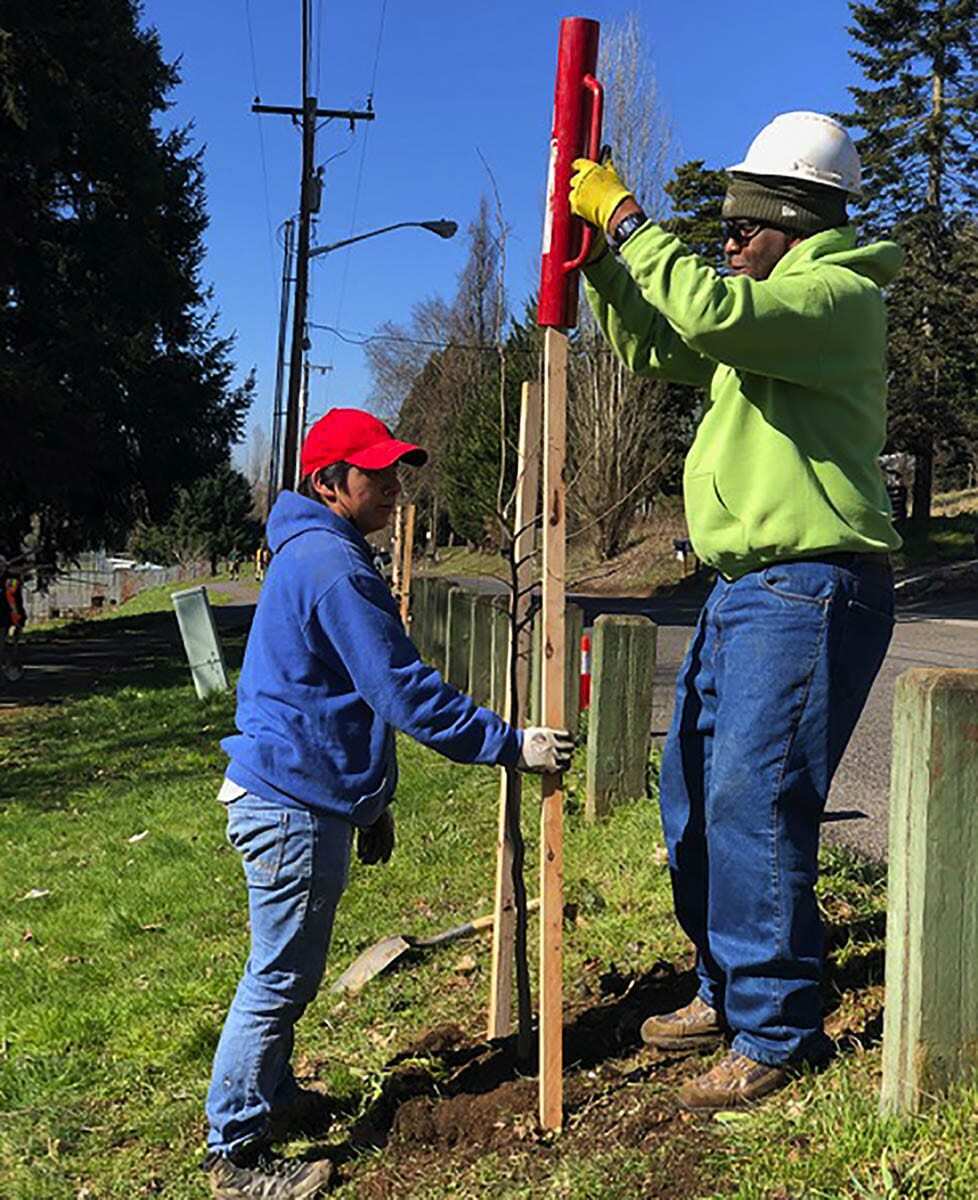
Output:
x=785 y=499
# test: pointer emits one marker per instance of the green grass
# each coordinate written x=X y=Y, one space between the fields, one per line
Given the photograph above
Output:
x=460 y=562
x=116 y=979
x=150 y=600
x=946 y=538
x=949 y=504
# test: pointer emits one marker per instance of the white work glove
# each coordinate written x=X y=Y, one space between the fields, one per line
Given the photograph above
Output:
x=545 y=751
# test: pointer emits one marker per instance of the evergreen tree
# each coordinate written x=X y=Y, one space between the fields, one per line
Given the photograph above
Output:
x=212 y=519
x=115 y=389
x=918 y=117
x=697 y=194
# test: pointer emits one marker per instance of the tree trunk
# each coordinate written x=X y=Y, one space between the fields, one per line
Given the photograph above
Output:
x=433 y=534
x=923 y=480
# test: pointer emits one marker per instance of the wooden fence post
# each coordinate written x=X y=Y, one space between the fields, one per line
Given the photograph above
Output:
x=480 y=650
x=200 y=641
x=572 y=695
x=620 y=724
x=500 y=655
x=438 y=623
x=458 y=637
x=420 y=615
x=930 y=1035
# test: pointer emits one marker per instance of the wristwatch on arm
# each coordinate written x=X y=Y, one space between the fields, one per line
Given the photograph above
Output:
x=620 y=229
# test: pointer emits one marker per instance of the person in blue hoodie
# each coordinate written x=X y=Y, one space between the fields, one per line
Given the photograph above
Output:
x=328 y=675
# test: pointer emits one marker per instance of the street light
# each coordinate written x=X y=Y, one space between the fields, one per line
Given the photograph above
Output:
x=294 y=420
x=443 y=228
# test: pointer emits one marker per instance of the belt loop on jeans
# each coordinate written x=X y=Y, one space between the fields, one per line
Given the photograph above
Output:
x=854 y=558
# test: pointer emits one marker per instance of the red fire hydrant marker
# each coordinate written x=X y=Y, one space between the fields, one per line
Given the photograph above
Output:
x=566 y=243
x=584 y=696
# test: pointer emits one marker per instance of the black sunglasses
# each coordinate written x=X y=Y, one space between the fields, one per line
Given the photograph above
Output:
x=743 y=230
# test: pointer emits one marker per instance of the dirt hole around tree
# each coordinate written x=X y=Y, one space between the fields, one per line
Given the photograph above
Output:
x=449 y=1099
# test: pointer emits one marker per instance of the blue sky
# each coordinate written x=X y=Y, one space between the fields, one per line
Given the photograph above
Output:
x=451 y=80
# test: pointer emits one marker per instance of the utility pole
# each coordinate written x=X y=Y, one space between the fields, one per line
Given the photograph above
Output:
x=307 y=366
x=278 y=412
x=309 y=193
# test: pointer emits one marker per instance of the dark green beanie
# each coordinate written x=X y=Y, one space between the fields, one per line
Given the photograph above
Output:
x=799 y=207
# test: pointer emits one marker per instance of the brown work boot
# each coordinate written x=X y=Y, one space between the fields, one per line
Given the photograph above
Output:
x=735 y=1082
x=264 y=1176
x=689 y=1028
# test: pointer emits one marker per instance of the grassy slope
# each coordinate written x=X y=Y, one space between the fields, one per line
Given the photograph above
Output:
x=649 y=562
x=115 y=983
x=151 y=600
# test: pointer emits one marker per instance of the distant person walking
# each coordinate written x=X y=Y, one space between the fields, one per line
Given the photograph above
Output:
x=13 y=620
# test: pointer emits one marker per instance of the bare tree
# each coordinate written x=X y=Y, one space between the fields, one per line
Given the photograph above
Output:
x=442 y=379
x=397 y=354
x=615 y=446
x=257 y=467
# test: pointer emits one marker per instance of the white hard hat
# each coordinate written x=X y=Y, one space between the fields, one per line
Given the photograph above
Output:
x=808 y=146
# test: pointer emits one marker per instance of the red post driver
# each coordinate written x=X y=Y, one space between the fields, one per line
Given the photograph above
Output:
x=578 y=105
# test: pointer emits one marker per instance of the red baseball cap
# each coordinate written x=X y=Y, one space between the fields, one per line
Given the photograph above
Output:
x=357 y=437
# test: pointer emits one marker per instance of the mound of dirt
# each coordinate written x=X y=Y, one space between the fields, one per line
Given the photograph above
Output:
x=450 y=1099
x=485 y=1121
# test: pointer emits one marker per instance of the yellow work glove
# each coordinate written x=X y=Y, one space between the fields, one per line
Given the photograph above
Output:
x=596 y=191
x=598 y=249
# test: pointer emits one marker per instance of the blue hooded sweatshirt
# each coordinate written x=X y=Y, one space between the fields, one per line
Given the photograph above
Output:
x=329 y=670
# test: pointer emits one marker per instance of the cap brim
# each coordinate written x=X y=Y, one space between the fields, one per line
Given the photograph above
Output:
x=385 y=454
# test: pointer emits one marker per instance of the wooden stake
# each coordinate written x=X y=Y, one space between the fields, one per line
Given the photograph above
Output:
x=552 y=705
x=407 y=557
x=396 y=550
x=527 y=488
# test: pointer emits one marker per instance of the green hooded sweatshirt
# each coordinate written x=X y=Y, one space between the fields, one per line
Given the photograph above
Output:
x=784 y=463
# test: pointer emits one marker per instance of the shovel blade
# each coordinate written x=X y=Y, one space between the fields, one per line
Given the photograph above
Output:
x=371 y=962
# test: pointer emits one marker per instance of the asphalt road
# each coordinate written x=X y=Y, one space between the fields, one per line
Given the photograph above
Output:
x=932 y=633
x=935 y=633
x=939 y=632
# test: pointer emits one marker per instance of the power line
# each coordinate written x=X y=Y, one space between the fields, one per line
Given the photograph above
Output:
x=310 y=112
x=319 y=44
x=363 y=157
x=380 y=38
x=261 y=146
x=354 y=337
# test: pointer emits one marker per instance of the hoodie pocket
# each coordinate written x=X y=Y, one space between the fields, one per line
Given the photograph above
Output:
x=716 y=532
x=368 y=808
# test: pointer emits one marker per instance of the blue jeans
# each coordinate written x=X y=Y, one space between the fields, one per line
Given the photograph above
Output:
x=296 y=864
x=774 y=680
